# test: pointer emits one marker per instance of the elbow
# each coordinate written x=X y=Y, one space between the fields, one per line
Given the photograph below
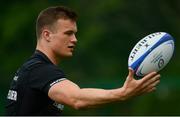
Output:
x=79 y=105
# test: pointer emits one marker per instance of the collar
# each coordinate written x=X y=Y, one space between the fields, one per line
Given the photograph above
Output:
x=41 y=56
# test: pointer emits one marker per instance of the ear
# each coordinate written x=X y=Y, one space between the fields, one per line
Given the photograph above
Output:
x=46 y=34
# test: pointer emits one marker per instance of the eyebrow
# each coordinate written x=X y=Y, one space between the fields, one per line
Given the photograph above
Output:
x=70 y=31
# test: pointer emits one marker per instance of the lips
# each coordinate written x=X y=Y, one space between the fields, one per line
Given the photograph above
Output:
x=72 y=46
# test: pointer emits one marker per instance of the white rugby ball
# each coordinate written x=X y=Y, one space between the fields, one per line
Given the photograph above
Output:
x=152 y=53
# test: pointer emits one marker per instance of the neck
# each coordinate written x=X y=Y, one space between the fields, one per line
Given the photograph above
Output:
x=52 y=57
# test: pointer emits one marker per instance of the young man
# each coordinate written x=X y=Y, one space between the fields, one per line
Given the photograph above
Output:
x=39 y=87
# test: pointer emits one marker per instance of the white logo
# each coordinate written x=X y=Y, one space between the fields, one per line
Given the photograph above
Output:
x=15 y=78
x=59 y=106
x=12 y=95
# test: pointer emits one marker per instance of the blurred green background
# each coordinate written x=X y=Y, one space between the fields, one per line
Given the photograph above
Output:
x=107 y=31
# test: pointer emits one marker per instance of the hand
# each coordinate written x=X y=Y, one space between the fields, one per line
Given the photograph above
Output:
x=133 y=87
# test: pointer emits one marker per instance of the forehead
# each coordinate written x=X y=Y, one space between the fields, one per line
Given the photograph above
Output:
x=66 y=24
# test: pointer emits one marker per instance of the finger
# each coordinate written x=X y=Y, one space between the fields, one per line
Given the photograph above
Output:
x=154 y=84
x=151 y=90
x=150 y=87
x=148 y=76
x=151 y=81
x=147 y=91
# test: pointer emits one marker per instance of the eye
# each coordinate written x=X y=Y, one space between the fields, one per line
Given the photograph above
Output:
x=69 y=33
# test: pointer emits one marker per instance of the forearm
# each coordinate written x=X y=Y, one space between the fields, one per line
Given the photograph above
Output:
x=91 y=97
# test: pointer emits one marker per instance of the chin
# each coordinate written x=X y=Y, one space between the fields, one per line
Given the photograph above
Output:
x=68 y=55
x=65 y=54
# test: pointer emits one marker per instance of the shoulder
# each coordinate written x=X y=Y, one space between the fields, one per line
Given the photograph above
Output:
x=47 y=70
x=32 y=63
x=43 y=75
x=38 y=65
x=36 y=69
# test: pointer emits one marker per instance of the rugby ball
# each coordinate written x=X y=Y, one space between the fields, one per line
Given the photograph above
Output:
x=152 y=53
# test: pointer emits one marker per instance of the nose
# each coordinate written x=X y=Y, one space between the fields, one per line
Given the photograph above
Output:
x=74 y=39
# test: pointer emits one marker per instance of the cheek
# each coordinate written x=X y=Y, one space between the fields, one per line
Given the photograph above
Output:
x=60 y=44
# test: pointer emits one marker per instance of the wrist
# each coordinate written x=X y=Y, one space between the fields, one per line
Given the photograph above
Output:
x=119 y=94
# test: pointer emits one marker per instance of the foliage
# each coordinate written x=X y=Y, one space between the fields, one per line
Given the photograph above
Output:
x=107 y=31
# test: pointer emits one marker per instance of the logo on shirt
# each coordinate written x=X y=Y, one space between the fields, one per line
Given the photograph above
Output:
x=15 y=78
x=12 y=95
x=58 y=106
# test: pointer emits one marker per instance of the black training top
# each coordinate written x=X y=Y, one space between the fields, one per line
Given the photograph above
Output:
x=28 y=93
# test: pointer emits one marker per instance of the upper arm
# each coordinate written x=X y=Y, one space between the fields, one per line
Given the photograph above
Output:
x=64 y=92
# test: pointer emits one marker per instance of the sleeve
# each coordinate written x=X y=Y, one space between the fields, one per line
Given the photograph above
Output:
x=45 y=76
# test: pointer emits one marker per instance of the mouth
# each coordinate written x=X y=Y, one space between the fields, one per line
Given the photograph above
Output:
x=72 y=46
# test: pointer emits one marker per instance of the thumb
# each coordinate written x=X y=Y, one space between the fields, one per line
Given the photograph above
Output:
x=130 y=76
x=131 y=73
